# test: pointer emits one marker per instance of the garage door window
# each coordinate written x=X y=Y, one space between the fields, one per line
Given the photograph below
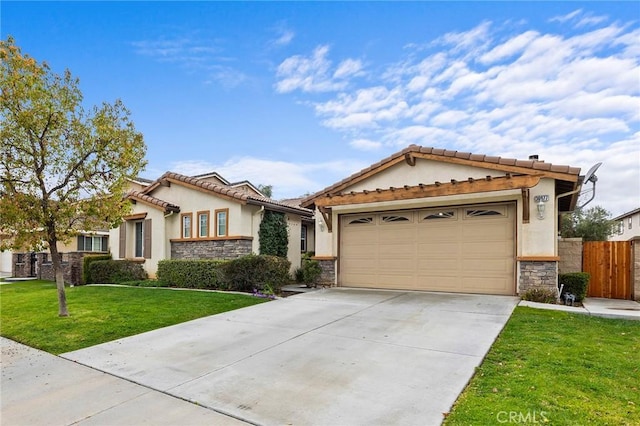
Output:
x=495 y=212
x=361 y=220
x=391 y=218
x=438 y=215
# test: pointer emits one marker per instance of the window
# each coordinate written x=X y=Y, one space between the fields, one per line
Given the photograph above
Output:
x=186 y=225
x=222 y=222
x=480 y=212
x=630 y=221
x=203 y=224
x=303 y=238
x=444 y=214
x=96 y=243
x=139 y=237
x=361 y=220
x=395 y=218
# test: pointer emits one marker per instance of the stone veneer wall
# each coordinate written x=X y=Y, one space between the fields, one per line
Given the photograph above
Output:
x=71 y=266
x=328 y=275
x=538 y=274
x=570 y=252
x=211 y=249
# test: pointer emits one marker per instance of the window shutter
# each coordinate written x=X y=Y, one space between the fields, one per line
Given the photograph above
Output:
x=123 y=241
x=147 y=239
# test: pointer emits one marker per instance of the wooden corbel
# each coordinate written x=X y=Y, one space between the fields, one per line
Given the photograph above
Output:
x=326 y=215
x=410 y=159
x=525 y=205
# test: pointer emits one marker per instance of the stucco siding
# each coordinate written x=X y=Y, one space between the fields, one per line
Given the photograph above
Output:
x=424 y=171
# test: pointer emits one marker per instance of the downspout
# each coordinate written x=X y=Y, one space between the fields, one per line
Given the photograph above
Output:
x=252 y=227
x=575 y=191
x=164 y=240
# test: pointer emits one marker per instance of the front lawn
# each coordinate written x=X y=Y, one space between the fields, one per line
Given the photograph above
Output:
x=557 y=368
x=29 y=312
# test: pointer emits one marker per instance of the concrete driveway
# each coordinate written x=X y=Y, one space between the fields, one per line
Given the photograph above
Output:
x=334 y=356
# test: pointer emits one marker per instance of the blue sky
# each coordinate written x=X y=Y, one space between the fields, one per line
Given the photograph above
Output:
x=301 y=94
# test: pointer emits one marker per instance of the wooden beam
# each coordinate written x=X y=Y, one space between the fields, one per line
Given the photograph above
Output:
x=435 y=190
x=326 y=215
x=525 y=205
x=495 y=166
x=410 y=159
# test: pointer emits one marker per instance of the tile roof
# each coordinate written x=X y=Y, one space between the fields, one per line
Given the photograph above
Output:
x=139 y=196
x=472 y=159
x=230 y=192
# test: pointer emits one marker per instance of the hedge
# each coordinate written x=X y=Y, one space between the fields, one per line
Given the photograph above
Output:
x=86 y=261
x=575 y=283
x=115 y=271
x=256 y=272
x=192 y=273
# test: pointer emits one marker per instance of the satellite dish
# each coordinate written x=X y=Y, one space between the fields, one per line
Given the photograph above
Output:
x=591 y=177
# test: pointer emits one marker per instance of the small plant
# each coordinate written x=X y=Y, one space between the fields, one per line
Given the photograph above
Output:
x=575 y=283
x=540 y=295
x=311 y=272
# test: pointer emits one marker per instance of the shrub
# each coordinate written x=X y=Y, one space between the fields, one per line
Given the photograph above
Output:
x=115 y=271
x=575 y=283
x=541 y=295
x=298 y=275
x=311 y=272
x=256 y=272
x=274 y=238
x=192 y=273
x=86 y=261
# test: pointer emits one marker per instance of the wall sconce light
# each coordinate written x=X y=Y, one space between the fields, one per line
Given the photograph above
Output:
x=540 y=201
x=321 y=225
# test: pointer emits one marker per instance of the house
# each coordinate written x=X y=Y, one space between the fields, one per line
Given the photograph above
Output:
x=441 y=220
x=199 y=217
x=24 y=264
x=628 y=226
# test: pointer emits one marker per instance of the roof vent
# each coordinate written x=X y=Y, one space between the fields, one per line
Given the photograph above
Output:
x=533 y=157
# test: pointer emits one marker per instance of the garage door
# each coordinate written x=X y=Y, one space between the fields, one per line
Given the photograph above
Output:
x=466 y=249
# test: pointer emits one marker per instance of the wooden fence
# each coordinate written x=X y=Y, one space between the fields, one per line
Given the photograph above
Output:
x=609 y=263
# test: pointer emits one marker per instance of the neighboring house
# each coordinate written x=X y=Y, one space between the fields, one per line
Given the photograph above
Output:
x=628 y=226
x=199 y=217
x=440 y=220
x=39 y=264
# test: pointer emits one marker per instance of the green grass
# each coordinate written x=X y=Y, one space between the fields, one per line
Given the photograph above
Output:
x=29 y=312
x=556 y=368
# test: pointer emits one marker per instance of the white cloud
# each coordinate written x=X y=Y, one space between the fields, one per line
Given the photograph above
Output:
x=365 y=145
x=564 y=18
x=313 y=73
x=572 y=98
x=289 y=180
x=511 y=47
x=347 y=68
x=203 y=56
x=285 y=37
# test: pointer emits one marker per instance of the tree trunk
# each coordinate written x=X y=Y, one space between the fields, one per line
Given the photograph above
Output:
x=57 y=270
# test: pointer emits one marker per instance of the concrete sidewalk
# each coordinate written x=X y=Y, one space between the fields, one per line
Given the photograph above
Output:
x=38 y=388
x=598 y=307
